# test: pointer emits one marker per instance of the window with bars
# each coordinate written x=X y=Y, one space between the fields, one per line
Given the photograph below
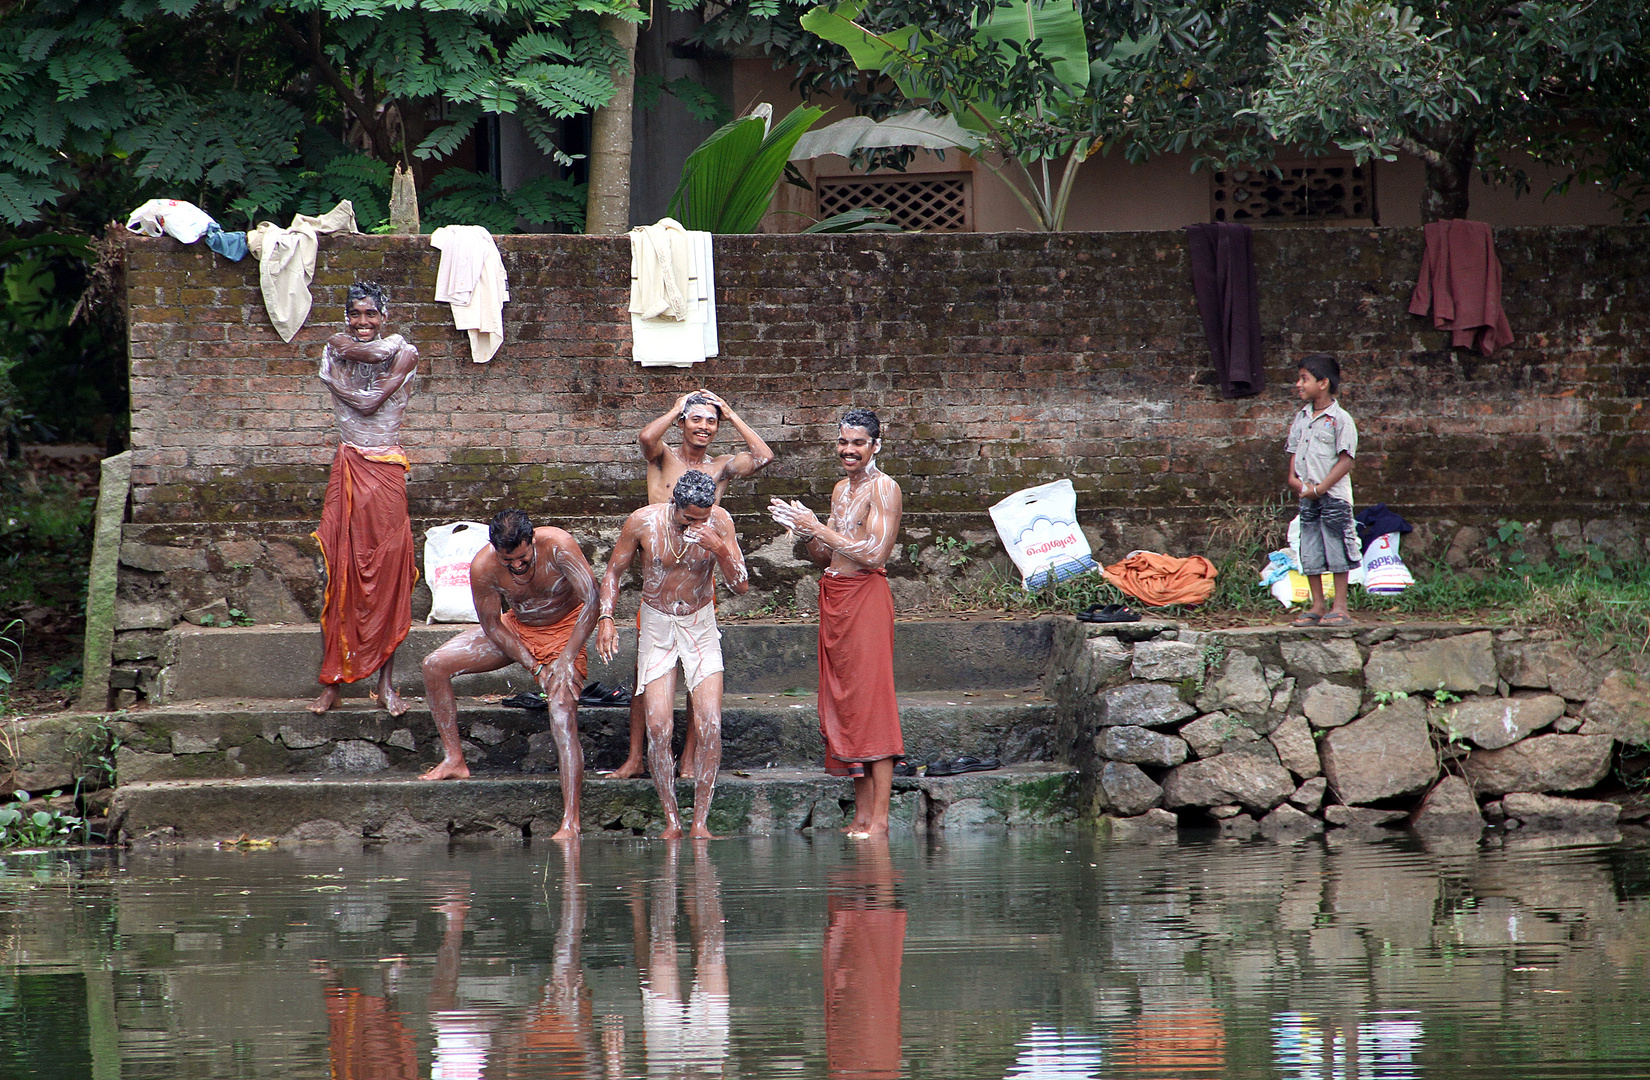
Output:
x=935 y=202
x=1324 y=189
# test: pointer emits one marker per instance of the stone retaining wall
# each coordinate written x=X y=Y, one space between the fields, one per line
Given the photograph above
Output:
x=1444 y=729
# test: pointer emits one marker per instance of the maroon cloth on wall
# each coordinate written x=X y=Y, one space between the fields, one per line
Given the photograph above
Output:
x=1223 y=277
x=1460 y=285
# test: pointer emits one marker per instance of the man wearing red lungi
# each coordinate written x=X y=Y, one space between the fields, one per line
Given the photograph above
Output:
x=366 y=535
x=858 y=715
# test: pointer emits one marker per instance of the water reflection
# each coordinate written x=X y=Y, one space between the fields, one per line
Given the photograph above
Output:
x=685 y=1033
x=979 y=957
x=864 y=948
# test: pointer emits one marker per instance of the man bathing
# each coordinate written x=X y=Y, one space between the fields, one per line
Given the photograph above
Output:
x=699 y=415
x=681 y=542
x=552 y=595
x=365 y=534
x=858 y=713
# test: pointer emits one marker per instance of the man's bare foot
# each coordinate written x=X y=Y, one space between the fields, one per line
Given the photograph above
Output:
x=702 y=832
x=388 y=699
x=632 y=768
x=868 y=831
x=448 y=770
x=327 y=700
x=674 y=832
x=569 y=831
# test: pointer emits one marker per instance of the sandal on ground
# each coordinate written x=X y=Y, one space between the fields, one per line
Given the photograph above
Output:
x=1337 y=619
x=904 y=768
x=601 y=695
x=960 y=765
x=525 y=701
x=1107 y=613
x=1306 y=619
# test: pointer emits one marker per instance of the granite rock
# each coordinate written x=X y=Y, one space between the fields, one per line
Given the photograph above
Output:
x=1382 y=755
x=1448 y=808
x=1297 y=750
x=1239 y=687
x=1250 y=781
x=1167 y=661
x=1309 y=796
x=1322 y=656
x=1127 y=790
x=1620 y=707
x=1141 y=746
x=1491 y=723
x=1141 y=705
x=1462 y=664
x=1543 y=763
x=1549 y=814
x=1329 y=705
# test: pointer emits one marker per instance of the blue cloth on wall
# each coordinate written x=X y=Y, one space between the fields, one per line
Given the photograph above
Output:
x=231 y=245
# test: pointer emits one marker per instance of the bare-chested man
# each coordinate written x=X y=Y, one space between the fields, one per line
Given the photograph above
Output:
x=699 y=415
x=681 y=543
x=858 y=713
x=365 y=534
x=552 y=596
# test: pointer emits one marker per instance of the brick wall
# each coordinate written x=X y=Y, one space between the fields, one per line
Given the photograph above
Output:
x=996 y=361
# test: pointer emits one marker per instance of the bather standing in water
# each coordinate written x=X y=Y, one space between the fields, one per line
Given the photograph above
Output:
x=699 y=415
x=365 y=532
x=681 y=543
x=858 y=713
x=551 y=591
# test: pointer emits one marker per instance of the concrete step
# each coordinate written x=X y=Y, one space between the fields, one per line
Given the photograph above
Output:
x=281 y=661
x=245 y=737
x=763 y=802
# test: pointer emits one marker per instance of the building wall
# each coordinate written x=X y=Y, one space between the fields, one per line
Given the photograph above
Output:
x=998 y=361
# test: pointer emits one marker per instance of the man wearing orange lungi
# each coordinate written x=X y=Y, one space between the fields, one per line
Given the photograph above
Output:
x=551 y=591
x=365 y=534
x=858 y=714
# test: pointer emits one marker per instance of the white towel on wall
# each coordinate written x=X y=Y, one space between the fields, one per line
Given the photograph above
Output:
x=473 y=281
x=672 y=271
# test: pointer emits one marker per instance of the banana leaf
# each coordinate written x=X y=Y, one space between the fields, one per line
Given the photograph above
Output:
x=727 y=183
x=916 y=128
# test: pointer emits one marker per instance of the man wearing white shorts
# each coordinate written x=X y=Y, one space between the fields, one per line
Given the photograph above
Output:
x=681 y=543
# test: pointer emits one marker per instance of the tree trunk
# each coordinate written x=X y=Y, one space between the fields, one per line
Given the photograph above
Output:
x=607 y=207
x=1449 y=178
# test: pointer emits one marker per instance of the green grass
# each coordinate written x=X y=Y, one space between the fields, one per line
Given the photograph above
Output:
x=1589 y=599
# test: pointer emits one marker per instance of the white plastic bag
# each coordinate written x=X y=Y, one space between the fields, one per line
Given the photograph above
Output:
x=1384 y=569
x=1038 y=526
x=182 y=220
x=448 y=550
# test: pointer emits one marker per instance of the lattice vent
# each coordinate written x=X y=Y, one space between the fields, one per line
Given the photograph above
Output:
x=938 y=202
x=1325 y=189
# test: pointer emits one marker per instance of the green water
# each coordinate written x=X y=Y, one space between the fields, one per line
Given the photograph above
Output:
x=1039 y=954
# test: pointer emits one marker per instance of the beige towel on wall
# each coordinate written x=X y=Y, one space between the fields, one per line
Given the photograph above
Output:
x=472 y=279
x=286 y=263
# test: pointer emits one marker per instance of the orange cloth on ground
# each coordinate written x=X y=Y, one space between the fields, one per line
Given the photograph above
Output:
x=1460 y=285
x=366 y=540
x=1156 y=580
x=547 y=642
x=864 y=947
x=858 y=714
x=366 y=1039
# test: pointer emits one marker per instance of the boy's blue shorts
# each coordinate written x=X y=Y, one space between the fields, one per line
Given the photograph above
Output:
x=1329 y=536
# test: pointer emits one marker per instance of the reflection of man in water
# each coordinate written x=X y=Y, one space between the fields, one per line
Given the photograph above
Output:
x=365 y=534
x=558 y=1037
x=366 y=1038
x=699 y=415
x=864 y=947
x=685 y=1035
x=543 y=576
x=858 y=713
x=681 y=543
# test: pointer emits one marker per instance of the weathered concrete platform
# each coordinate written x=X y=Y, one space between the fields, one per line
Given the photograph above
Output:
x=280 y=661
x=229 y=738
x=763 y=802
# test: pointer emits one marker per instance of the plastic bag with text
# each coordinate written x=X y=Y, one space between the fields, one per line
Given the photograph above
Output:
x=1038 y=526
x=448 y=550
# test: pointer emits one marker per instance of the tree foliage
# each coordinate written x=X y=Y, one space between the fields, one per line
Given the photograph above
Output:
x=247 y=104
x=1462 y=84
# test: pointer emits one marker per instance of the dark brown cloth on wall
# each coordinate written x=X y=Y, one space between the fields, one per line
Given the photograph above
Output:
x=1223 y=277
x=1460 y=285
x=367 y=542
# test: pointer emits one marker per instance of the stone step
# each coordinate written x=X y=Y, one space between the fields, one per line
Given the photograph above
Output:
x=762 y=802
x=281 y=661
x=239 y=737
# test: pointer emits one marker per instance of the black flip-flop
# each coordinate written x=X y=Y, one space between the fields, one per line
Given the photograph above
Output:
x=904 y=768
x=1108 y=613
x=601 y=695
x=525 y=701
x=965 y=764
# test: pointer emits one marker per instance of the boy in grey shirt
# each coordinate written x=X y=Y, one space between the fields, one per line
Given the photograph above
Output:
x=1323 y=440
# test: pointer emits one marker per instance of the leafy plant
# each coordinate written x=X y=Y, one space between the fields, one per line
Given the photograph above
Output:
x=11 y=659
x=457 y=197
x=865 y=219
x=44 y=827
x=1383 y=698
x=728 y=181
x=1507 y=539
